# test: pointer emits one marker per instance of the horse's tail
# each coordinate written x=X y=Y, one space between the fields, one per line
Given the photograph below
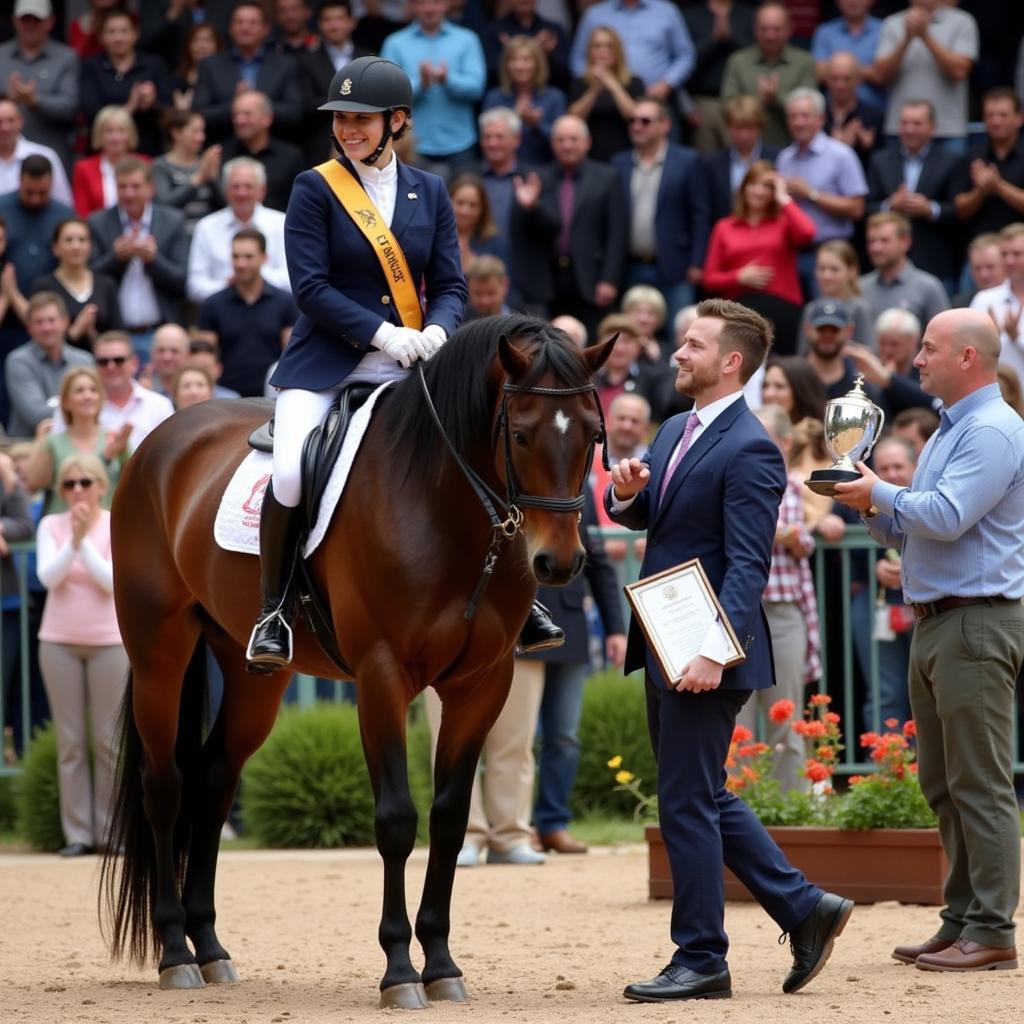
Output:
x=128 y=873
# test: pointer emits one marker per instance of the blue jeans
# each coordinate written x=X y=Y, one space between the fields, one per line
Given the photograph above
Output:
x=557 y=725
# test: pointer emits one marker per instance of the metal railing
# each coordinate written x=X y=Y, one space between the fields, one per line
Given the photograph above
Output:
x=844 y=688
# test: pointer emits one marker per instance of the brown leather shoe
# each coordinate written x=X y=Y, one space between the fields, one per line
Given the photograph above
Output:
x=965 y=955
x=562 y=842
x=909 y=954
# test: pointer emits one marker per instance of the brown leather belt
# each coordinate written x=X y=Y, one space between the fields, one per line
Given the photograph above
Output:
x=928 y=609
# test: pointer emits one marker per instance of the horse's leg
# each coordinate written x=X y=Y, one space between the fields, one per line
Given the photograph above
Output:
x=247 y=714
x=468 y=714
x=385 y=690
x=166 y=674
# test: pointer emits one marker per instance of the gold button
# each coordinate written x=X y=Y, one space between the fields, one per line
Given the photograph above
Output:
x=386 y=299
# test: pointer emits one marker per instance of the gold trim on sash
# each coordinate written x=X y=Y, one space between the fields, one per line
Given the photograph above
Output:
x=358 y=205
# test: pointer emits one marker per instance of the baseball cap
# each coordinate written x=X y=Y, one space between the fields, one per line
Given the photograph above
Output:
x=41 y=9
x=828 y=313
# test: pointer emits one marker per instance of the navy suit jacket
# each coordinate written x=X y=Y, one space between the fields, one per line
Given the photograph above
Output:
x=717 y=168
x=721 y=506
x=937 y=244
x=682 y=221
x=337 y=281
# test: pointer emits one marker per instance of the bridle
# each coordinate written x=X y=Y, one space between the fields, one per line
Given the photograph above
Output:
x=505 y=529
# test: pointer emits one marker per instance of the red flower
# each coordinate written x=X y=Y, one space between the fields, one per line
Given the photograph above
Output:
x=831 y=717
x=825 y=752
x=892 y=723
x=870 y=739
x=820 y=700
x=741 y=734
x=854 y=779
x=781 y=711
x=816 y=771
x=760 y=748
x=910 y=728
x=747 y=750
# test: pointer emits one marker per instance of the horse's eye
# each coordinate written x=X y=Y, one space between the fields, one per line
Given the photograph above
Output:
x=519 y=437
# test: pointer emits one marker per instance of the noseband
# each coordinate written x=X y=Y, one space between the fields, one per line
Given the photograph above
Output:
x=505 y=529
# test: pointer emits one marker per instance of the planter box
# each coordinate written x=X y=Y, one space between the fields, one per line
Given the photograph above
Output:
x=908 y=865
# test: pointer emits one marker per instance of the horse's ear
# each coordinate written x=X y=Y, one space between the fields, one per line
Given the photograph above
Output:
x=597 y=354
x=514 y=362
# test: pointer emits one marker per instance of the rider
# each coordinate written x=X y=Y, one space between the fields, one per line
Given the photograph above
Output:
x=363 y=233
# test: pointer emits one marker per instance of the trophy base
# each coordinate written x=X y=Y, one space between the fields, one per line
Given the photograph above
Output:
x=823 y=481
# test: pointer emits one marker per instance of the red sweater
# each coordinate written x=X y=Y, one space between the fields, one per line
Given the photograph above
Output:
x=772 y=243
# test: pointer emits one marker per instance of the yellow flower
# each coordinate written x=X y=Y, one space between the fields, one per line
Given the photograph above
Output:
x=615 y=761
x=623 y=777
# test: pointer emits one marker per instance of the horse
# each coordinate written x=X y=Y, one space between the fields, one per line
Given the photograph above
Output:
x=426 y=585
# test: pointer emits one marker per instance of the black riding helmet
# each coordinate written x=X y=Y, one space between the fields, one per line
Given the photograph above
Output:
x=370 y=85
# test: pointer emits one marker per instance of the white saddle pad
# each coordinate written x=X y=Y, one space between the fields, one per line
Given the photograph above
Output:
x=237 y=526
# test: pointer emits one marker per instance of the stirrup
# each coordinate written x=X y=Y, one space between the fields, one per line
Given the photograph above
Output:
x=270 y=662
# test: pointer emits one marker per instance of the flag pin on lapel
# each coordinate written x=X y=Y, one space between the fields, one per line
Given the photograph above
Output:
x=412 y=195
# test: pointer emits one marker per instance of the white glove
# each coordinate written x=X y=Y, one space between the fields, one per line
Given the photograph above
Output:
x=403 y=344
x=434 y=336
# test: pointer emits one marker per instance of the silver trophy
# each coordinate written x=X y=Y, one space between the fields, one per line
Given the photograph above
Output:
x=853 y=424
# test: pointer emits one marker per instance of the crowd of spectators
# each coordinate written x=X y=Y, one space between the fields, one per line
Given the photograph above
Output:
x=846 y=167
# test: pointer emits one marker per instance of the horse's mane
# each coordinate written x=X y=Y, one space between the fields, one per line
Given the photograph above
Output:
x=457 y=380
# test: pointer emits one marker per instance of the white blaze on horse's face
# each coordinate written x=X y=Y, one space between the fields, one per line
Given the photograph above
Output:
x=562 y=422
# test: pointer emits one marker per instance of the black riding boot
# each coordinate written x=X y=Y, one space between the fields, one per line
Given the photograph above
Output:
x=270 y=646
x=539 y=632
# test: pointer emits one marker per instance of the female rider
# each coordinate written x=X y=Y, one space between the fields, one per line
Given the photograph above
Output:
x=347 y=287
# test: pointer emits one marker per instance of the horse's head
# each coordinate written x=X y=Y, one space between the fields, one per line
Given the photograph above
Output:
x=549 y=422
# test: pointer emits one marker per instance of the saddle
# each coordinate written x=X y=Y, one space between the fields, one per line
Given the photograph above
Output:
x=319 y=454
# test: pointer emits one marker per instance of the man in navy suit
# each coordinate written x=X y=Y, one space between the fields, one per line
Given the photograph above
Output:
x=710 y=488
x=666 y=198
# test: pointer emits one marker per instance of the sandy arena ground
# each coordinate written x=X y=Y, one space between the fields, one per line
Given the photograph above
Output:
x=554 y=943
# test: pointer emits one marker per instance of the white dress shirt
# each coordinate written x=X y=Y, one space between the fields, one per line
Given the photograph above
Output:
x=136 y=294
x=716 y=643
x=209 y=258
x=145 y=411
x=998 y=302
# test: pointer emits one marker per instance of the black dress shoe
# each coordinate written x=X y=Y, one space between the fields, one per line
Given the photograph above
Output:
x=811 y=941
x=539 y=633
x=77 y=850
x=678 y=982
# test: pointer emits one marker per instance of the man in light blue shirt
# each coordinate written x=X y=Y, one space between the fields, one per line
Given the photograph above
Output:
x=959 y=527
x=657 y=42
x=855 y=32
x=445 y=64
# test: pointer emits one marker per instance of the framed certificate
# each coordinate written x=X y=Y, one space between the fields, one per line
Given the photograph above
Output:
x=675 y=609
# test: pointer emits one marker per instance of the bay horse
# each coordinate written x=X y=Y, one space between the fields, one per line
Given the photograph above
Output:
x=400 y=568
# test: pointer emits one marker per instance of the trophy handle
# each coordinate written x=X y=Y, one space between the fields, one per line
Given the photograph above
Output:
x=878 y=433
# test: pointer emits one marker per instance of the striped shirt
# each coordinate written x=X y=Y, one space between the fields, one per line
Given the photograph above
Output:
x=960 y=523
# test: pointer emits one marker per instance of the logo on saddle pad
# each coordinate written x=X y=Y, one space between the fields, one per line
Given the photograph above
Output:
x=346 y=87
x=253 y=505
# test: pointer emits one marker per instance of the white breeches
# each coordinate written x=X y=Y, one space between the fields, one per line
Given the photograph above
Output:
x=297 y=412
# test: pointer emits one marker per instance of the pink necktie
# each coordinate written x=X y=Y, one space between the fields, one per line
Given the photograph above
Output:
x=566 y=198
x=691 y=425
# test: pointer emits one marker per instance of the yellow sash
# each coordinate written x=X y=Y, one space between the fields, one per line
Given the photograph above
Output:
x=367 y=218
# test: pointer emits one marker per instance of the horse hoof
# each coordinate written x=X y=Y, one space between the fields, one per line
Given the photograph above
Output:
x=408 y=996
x=452 y=990
x=182 y=976
x=219 y=972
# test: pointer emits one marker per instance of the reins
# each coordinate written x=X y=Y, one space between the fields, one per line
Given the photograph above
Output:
x=503 y=530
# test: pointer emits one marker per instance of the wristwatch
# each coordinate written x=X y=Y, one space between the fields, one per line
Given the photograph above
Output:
x=814 y=195
x=870 y=512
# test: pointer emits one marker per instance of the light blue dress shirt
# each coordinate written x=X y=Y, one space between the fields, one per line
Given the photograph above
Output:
x=443 y=113
x=960 y=524
x=657 y=41
x=835 y=37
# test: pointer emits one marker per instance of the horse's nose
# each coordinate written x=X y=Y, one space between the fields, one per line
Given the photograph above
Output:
x=551 y=571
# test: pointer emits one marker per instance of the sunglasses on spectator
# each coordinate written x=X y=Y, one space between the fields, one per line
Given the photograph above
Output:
x=112 y=360
x=641 y=120
x=85 y=483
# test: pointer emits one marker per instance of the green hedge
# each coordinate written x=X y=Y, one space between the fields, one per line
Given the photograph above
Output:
x=614 y=721
x=308 y=786
x=38 y=795
x=7 y=803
